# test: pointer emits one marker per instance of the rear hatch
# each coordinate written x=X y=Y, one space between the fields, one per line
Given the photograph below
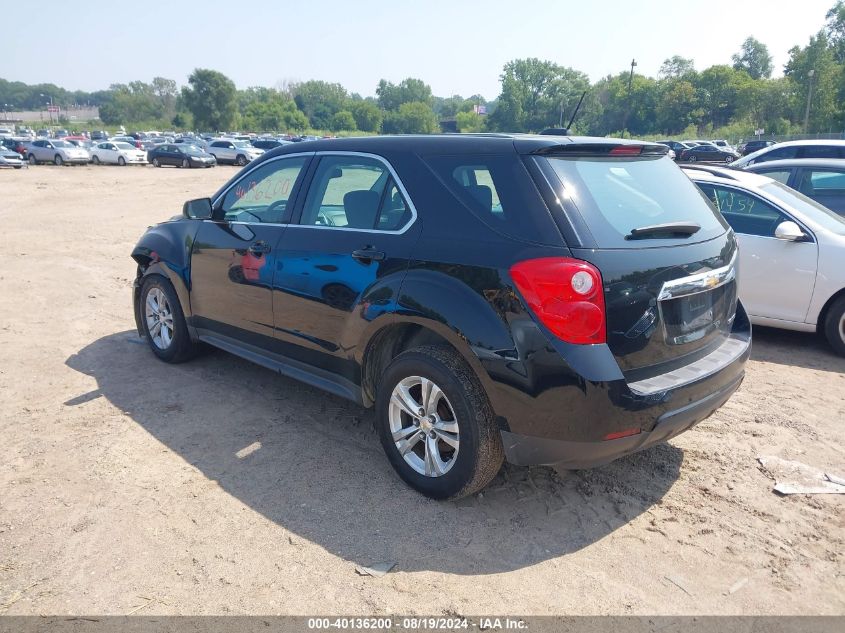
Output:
x=667 y=259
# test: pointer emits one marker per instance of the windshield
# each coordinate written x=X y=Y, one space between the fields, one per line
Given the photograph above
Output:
x=616 y=196
x=191 y=149
x=241 y=144
x=818 y=213
x=123 y=146
x=61 y=143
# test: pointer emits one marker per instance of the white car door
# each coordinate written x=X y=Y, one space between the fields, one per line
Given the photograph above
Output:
x=776 y=276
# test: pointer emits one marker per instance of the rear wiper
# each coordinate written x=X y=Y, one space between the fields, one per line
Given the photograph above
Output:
x=670 y=229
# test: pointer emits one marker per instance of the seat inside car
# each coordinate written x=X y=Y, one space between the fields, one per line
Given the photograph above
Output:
x=361 y=207
x=483 y=195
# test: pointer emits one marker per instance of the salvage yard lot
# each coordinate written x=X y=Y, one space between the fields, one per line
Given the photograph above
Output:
x=219 y=487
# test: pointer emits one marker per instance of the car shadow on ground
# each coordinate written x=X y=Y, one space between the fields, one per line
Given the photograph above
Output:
x=796 y=349
x=312 y=463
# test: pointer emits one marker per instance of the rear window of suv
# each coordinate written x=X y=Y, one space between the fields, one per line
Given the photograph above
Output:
x=499 y=191
x=617 y=195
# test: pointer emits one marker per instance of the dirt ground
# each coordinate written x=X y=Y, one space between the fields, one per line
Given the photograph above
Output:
x=215 y=487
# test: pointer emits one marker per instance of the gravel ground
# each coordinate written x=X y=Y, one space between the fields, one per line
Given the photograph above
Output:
x=214 y=487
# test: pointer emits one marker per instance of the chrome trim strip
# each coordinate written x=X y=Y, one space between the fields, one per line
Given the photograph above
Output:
x=722 y=356
x=700 y=282
x=380 y=159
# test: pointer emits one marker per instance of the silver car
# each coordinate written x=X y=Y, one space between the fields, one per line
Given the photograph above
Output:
x=10 y=158
x=229 y=150
x=57 y=151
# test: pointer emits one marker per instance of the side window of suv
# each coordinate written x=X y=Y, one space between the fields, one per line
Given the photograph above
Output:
x=262 y=194
x=354 y=192
x=747 y=214
x=779 y=153
x=820 y=151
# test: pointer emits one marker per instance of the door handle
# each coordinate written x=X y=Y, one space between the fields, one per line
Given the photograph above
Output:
x=368 y=255
x=259 y=248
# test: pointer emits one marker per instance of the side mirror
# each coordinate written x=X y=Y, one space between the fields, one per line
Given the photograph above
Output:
x=790 y=232
x=199 y=209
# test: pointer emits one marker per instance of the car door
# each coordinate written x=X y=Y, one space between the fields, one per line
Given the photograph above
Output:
x=342 y=261
x=776 y=276
x=234 y=255
x=174 y=155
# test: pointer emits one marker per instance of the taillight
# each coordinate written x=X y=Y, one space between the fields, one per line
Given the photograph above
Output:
x=565 y=295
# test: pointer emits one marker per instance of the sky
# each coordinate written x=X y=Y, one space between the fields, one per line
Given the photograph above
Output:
x=456 y=46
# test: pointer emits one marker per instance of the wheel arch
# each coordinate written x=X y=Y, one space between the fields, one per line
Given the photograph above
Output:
x=820 y=321
x=165 y=250
x=395 y=337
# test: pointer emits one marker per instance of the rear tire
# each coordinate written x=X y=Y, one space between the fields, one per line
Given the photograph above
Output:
x=32 y=160
x=834 y=326
x=460 y=422
x=692 y=158
x=163 y=322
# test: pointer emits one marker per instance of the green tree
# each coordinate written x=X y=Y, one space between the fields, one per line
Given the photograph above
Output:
x=342 y=120
x=211 y=98
x=469 y=122
x=391 y=96
x=534 y=94
x=676 y=67
x=411 y=118
x=320 y=101
x=677 y=106
x=835 y=29
x=816 y=65
x=754 y=59
x=367 y=116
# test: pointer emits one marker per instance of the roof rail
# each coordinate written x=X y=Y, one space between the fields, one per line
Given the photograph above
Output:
x=722 y=172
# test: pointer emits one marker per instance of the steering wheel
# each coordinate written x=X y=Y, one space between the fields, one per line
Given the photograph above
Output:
x=278 y=205
x=249 y=213
x=323 y=220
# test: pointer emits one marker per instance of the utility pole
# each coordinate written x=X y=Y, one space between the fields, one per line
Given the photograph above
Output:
x=628 y=105
x=810 y=75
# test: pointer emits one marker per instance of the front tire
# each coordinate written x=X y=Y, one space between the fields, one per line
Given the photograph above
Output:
x=163 y=322
x=156 y=162
x=240 y=161
x=96 y=160
x=436 y=424
x=121 y=161
x=185 y=163
x=57 y=161
x=692 y=158
x=834 y=326
x=32 y=160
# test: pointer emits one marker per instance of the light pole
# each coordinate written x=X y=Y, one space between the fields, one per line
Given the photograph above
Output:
x=810 y=75
x=50 y=111
x=628 y=105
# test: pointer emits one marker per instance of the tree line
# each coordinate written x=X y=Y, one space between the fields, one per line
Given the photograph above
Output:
x=725 y=100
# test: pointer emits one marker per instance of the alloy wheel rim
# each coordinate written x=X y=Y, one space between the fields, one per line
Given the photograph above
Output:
x=159 y=319
x=423 y=426
x=842 y=328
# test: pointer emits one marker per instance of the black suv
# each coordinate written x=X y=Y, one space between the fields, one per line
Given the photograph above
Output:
x=549 y=300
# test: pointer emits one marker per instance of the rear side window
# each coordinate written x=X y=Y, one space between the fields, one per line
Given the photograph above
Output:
x=779 y=154
x=499 y=191
x=616 y=196
x=820 y=151
x=781 y=175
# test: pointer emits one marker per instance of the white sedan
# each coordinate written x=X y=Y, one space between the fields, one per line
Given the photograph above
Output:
x=792 y=252
x=117 y=153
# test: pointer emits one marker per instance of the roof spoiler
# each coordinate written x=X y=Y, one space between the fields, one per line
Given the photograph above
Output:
x=610 y=150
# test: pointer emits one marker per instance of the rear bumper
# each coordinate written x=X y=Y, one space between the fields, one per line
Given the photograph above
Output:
x=528 y=450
